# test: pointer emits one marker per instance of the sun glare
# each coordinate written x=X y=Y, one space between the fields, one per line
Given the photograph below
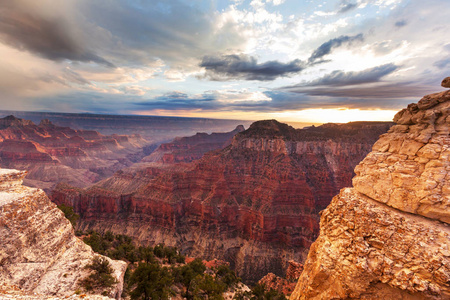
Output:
x=343 y=115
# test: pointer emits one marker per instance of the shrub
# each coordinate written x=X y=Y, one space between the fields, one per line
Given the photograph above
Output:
x=150 y=281
x=69 y=214
x=100 y=277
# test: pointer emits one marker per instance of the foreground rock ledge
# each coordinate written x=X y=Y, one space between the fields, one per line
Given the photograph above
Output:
x=369 y=250
x=388 y=237
x=39 y=253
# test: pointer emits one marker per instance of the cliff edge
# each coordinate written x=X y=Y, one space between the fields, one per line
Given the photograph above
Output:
x=39 y=253
x=388 y=237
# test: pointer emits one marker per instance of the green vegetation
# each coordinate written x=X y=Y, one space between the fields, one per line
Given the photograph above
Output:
x=150 y=281
x=260 y=292
x=100 y=278
x=160 y=272
x=122 y=247
x=69 y=214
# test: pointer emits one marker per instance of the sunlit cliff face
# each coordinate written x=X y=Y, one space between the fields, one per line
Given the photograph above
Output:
x=298 y=61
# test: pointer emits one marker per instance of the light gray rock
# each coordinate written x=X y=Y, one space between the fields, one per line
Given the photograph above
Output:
x=39 y=252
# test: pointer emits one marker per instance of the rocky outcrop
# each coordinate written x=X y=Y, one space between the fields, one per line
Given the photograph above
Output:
x=187 y=149
x=52 y=154
x=39 y=252
x=388 y=237
x=254 y=203
x=283 y=285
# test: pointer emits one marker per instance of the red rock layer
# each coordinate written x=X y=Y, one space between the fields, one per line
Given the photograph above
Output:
x=52 y=154
x=187 y=149
x=283 y=285
x=388 y=237
x=255 y=203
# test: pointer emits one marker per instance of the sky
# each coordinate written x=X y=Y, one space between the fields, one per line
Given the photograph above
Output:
x=298 y=61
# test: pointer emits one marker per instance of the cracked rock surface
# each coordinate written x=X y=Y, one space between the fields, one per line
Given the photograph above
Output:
x=39 y=253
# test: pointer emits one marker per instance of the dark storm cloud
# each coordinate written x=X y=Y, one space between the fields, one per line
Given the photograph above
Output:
x=228 y=67
x=327 y=47
x=46 y=35
x=341 y=78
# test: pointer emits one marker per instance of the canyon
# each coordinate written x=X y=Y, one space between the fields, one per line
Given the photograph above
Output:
x=52 y=154
x=155 y=129
x=388 y=237
x=40 y=257
x=254 y=203
x=187 y=149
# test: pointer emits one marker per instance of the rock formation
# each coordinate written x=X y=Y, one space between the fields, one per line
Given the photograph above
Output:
x=39 y=253
x=156 y=129
x=187 y=149
x=254 y=203
x=388 y=237
x=52 y=154
x=283 y=285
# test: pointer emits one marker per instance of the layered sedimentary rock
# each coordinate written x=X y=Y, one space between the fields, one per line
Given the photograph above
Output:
x=39 y=253
x=155 y=129
x=254 y=204
x=187 y=149
x=283 y=285
x=52 y=154
x=388 y=237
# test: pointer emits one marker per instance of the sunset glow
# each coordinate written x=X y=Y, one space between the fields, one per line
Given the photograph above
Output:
x=298 y=61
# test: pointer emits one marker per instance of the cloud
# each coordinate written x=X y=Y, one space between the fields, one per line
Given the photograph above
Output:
x=43 y=32
x=178 y=100
x=346 y=6
x=326 y=47
x=400 y=23
x=374 y=91
x=365 y=84
x=442 y=63
x=227 y=67
x=117 y=33
x=341 y=78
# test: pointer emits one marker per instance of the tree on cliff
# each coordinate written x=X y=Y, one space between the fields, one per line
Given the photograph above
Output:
x=187 y=273
x=69 y=214
x=101 y=276
x=150 y=281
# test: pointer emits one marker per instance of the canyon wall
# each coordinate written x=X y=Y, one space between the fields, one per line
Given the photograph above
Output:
x=187 y=149
x=254 y=203
x=388 y=237
x=155 y=129
x=39 y=253
x=52 y=154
